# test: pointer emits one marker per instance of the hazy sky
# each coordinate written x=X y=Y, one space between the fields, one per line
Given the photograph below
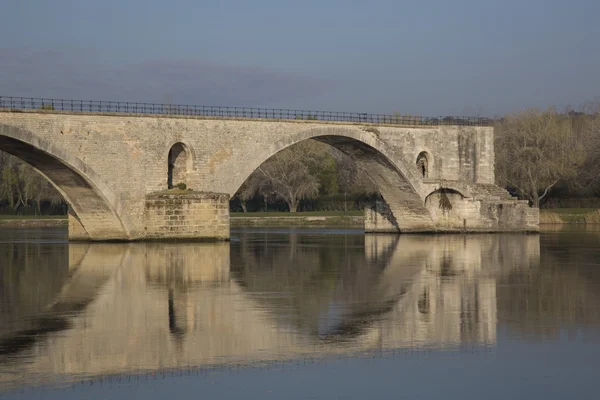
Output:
x=429 y=57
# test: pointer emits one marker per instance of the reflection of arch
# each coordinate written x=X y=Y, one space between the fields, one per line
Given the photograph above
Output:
x=180 y=161
x=96 y=206
x=398 y=183
x=423 y=164
x=424 y=301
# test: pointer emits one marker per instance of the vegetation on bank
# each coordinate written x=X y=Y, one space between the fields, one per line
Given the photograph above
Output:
x=570 y=216
x=546 y=154
x=271 y=214
x=24 y=191
x=5 y=217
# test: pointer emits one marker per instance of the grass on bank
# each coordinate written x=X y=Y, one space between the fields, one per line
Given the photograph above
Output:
x=570 y=216
x=11 y=217
x=233 y=214
x=297 y=214
x=593 y=218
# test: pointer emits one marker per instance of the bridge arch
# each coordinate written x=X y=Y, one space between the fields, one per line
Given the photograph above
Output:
x=397 y=182
x=94 y=204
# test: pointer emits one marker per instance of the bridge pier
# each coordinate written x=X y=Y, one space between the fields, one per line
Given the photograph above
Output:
x=451 y=212
x=173 y=215
x=76 y=231
x=188 y=215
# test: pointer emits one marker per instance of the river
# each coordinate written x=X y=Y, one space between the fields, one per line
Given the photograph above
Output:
x=305 y=313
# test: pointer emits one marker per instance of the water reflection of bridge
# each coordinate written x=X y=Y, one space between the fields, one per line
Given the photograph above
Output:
x=148 y=306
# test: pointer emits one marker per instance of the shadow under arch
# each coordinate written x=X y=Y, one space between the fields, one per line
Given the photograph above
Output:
x=94 y=204
x=398 y=184
x=447 y=190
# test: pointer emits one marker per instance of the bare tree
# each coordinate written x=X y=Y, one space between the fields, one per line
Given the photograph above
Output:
x=251 y=187
x=351 y=179
x=347 y=173
x=289 y=174
x=535 y=150
x=590 y=138
x=22 y=186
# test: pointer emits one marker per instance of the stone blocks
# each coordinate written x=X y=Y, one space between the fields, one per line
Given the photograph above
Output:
x=188 y=216
x=379 y=219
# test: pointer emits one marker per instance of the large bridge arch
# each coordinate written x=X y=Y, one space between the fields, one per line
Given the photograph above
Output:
x=94 y=204
x=396 y=180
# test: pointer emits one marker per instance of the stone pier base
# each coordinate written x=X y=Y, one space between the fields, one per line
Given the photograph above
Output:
x=76 y=231
x=187 y=216
x=469 y=214
x=379 y=218
x=461 y=214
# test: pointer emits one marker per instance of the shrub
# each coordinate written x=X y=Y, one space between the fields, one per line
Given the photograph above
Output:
x=549 y=217
x=181 y=186
x=592 y=218
x=371 y=129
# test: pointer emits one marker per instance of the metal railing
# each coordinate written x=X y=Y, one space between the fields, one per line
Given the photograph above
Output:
x=92 y=106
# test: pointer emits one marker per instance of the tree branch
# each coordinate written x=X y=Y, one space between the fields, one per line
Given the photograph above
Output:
x=520 y=190
x=548 y=189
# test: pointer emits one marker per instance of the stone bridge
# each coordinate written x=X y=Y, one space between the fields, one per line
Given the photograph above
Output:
x=117 y=171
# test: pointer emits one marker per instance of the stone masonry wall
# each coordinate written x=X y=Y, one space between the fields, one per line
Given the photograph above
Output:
x=466 y=215
x=198 y=216
x=379 y=219
x=474 y=215
x=76 y=230
x=454 y=152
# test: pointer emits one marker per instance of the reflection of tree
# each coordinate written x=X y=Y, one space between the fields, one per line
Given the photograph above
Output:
x=561 y=294
x=31 y=276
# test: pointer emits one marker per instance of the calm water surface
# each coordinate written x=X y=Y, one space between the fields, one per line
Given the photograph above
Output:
x=302 y=314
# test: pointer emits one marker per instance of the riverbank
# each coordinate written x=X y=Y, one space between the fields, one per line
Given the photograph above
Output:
x=318 y=219
x=570 y=216
x=332 y=219
x=33 y=222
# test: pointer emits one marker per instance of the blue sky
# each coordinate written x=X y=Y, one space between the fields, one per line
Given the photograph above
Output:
x=428 y=57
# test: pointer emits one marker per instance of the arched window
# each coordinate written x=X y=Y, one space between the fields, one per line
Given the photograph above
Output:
x=179 y=165
x=423 y=164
